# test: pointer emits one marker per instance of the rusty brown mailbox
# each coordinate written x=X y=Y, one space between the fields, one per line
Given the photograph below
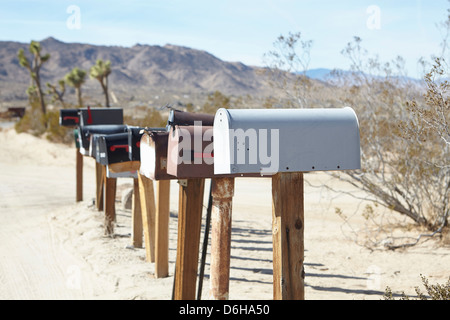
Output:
x=153 y=149
x=190 y=152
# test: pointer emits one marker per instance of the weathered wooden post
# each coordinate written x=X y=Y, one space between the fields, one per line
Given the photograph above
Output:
x=288 y=236
x=110 y=202
x=283 y=144
x=136 y=216
x=147 y=195
x=153 y=162
x=99 y=184
x=79 y=175
x=162 y=229
x=222 y=194
x=190 y=208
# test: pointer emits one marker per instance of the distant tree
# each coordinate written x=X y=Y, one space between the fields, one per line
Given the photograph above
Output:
x=100 y=71
x=34 y=68
x=216 y=101
x=57 y=94
x=76 y=78
x=286 y=69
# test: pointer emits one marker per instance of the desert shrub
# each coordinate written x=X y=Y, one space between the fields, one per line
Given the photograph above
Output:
x=152 y=119
x=55 y=132
x=39 y=124
x=405 y=175
x=33 y=121
x=433 y=292
x=214 y=102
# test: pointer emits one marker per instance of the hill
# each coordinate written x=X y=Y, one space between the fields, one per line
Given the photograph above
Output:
x=139 y=73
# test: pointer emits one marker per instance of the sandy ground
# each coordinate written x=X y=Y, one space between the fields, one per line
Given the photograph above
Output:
x=54 y=248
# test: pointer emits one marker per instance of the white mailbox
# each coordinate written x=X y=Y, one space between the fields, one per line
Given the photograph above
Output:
x=268 y=141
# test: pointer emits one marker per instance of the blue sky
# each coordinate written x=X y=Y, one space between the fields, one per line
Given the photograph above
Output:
x=237 y=30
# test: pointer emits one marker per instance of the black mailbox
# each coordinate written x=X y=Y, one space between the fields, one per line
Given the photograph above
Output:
x=97 y=116
x=113 y=148
x=69 y=117
x=87 y=131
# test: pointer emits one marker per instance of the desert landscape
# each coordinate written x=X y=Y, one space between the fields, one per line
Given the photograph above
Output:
x=55 y=248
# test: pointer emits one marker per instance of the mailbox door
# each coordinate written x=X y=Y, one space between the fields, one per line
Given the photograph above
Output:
x=190 y=152
x=86 y=131
x=153 y=150
x=96 y=116
x=69 y=117
x=285 y=140
x=115 y=146
x=134 y=143
x=182 y=118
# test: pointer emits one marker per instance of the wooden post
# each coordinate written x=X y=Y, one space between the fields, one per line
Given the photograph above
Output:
x=222 y=194
x=287 y=229
x=79 y=175
x=110 y=203
x=99 y=186
x=136 y=216
x=147 y=195
x=162 y=228
x=190 y=209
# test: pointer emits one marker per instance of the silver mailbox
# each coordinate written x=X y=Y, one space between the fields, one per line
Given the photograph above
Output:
x=268 y=141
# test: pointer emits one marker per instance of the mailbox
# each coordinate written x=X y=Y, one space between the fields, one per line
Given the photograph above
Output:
x=153 y=153
x=134 y=143
x=182 y=118
x=69 y=117
x=267 y=141
x=85 y=133
x=96 y=116
x=190 y=152
x=113 y=148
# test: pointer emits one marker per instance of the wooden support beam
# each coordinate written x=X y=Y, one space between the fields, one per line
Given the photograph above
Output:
x=110 y=202
x=136 y=216
x=124 y=166
x=222 y=195
x=287 y=229
x=79 y=175
x=99 y=179
x=147 y=195
x=190 y=209
x=162 y=228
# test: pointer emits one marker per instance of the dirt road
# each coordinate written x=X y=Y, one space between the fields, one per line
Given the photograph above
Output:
x=54 y=248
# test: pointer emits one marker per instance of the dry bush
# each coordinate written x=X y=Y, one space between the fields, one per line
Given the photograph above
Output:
x=397 y=172
x=39 y=124
x=433 y=292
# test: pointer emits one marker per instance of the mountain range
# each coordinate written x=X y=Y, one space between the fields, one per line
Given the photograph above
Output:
x=140 y=72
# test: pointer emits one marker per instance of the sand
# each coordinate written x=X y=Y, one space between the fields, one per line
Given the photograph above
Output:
x=54 y=248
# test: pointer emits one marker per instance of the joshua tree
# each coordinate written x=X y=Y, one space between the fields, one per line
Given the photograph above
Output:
x=57 y=94
x=76 y=78
x=34 y=67
x=100 y=71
